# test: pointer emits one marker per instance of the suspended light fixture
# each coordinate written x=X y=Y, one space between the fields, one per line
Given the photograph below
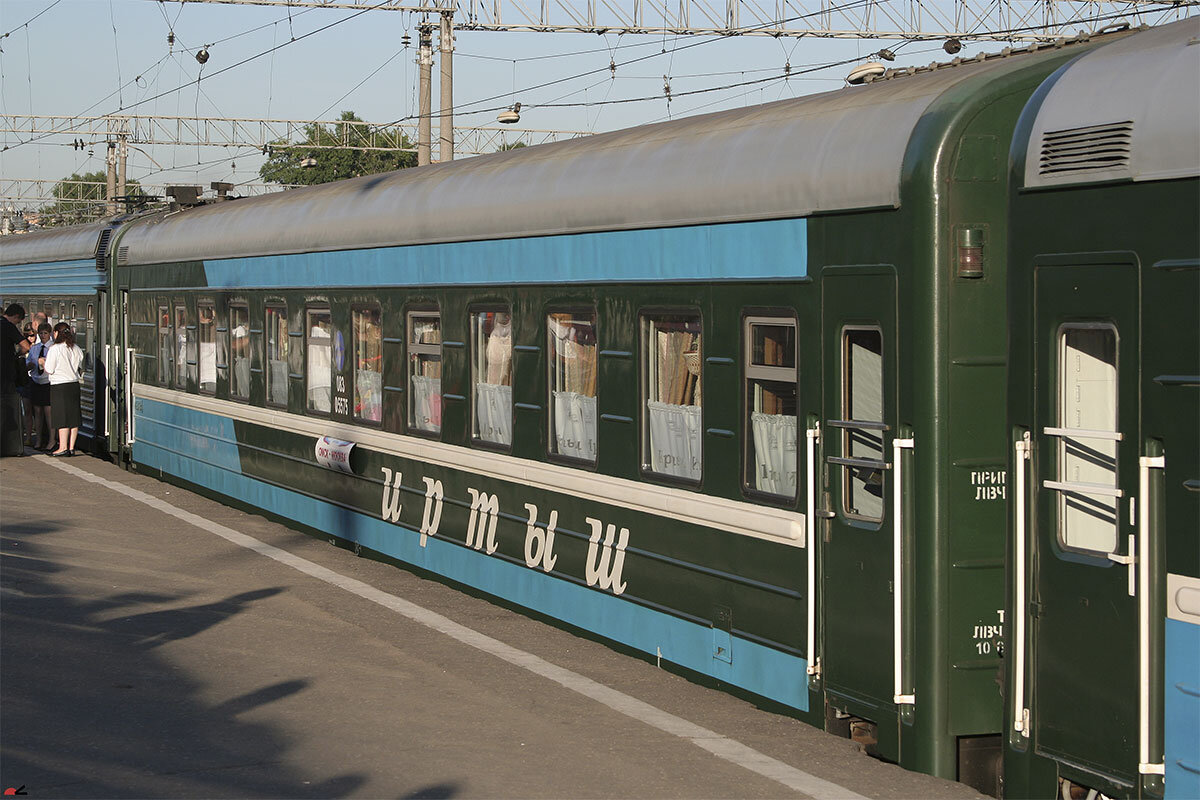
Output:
x=952 y=46
x=865 y=72
x=202 y=55
x=510 y=115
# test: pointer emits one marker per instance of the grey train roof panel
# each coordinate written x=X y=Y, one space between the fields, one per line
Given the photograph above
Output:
x=70 y=243
x=838 y=150
x=1129 y=110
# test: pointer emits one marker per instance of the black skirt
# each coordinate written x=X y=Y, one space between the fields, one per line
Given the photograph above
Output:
x=39 y=393
x=64 y=405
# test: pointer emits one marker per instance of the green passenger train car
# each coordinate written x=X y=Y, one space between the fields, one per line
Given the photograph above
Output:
x=727 y=390
x=1104 y=599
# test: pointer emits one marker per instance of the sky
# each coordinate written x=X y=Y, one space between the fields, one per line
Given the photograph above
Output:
x=94 y=57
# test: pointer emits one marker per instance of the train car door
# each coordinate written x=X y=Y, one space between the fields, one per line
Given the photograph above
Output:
x=859 y=398
x=1082 y=623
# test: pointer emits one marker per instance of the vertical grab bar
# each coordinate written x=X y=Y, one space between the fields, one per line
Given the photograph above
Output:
x=898 y=446
x=813 y=435
x=1020 y=606
x=128 y=372
x=1145 y=464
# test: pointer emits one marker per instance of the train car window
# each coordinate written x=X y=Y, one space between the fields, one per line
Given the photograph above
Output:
x=48 y=310
x=165 y=348
x=491 y=376
x=239 y=347
x=319 y=372
x=81 y=337
x=862 y=402
x=183 y=347
x=771 y=452
x=571 y=344
x=208 y=347
x=368 y=365
x=277 y=355
x=91 y=314
x=1087 y=405
x=425 y=371
x=673 y=430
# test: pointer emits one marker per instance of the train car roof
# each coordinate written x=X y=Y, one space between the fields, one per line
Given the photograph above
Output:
x=839 y=150
x=70 y=243
x=1129 y=110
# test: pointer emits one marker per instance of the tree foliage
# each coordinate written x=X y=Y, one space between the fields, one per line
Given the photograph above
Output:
x=285 y=158
x=81 y=197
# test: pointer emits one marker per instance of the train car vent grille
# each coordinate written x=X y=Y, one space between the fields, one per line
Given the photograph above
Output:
x=123 y=255
x=1096 y=147
x=102 y=249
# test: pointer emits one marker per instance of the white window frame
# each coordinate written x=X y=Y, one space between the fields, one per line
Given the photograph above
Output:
x=773 y=374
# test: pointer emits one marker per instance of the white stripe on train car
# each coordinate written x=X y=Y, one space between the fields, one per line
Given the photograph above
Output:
x=746 y=519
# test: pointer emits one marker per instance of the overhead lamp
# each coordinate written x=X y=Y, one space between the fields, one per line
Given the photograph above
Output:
x=952 y=46
x=202 y=55
x=510 y=115
x=865 y=72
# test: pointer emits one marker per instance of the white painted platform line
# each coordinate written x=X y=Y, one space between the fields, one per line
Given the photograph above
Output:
x=720 y=746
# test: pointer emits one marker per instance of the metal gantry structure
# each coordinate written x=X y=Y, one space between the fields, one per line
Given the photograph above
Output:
x=118 y=132
x=1016 y=21
x=958 y=20
x=1009 y=20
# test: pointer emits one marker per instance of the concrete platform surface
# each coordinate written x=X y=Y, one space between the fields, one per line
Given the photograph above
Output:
x=155 y=643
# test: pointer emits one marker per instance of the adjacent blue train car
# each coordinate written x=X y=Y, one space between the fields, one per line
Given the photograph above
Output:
x=63 y=273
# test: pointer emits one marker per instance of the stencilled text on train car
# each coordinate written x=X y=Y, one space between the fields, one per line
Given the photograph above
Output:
x=607 y=543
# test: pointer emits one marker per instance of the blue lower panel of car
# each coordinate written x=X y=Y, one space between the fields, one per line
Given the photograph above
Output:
x=1182 y=709
x=202 y=449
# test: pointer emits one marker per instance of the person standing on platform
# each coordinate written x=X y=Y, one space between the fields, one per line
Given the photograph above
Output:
x=13 y=347
x=26 y=391
x=64 y=365
x=39 y=390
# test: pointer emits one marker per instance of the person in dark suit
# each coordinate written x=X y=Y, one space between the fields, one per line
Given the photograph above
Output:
x=13 y=349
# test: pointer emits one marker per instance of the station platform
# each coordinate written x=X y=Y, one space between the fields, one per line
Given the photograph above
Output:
x=156 y=643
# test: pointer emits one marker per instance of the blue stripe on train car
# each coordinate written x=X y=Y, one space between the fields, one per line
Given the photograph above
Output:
x=775 y=249
x=56 y=278
x=1182 y=707
x=202 y=448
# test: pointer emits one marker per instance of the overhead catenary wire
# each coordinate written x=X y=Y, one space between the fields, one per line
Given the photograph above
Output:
x=26 y=23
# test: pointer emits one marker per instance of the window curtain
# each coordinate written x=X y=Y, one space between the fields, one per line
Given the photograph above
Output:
x=575 y=425
x=493 y=410
x=427 y=403
x=368 y=389
x=774 y=453
x=675 y=439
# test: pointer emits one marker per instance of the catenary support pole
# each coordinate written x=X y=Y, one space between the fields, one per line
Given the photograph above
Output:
x=446 y=110
x=424 y=128
x=110 y=188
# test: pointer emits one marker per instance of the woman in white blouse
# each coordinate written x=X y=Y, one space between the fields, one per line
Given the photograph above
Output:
x=64 y=365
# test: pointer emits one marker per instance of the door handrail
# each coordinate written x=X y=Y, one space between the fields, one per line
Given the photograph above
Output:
x=813 y=436
x=858 y=424
x=1020 y=606
x=1145 y=464
x=870 y=463
x=898 y=697
x=1084 y=488
x=1084 y=433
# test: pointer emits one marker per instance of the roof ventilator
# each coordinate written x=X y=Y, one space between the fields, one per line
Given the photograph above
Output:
x=1096 y=147
x=102 y=249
